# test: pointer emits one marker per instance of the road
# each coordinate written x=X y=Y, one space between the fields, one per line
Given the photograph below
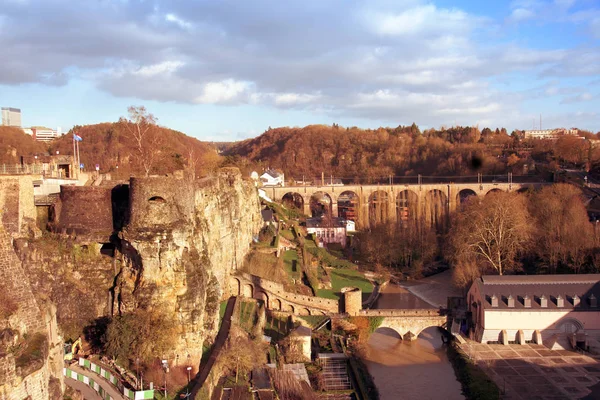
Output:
x=106 y=385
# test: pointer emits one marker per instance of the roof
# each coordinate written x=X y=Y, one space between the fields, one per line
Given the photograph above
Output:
x=273 y=173
x=536 y=287
x=320 y=223
x=267 y=215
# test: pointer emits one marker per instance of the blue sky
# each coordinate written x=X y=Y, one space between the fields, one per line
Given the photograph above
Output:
x=227 y=70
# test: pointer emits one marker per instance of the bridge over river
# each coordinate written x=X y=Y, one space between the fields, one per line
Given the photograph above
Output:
x=368 y=204
x=407 y=323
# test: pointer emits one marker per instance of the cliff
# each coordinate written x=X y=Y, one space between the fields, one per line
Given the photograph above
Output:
x=182 y=241
x=30 y=348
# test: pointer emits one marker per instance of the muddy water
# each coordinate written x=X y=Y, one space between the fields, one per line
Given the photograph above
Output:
x=417 y=370
x=394 y=296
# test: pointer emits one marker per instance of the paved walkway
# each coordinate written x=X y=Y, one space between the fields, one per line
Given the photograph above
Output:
x=87 y=392
x=220 y=340
x=532 y=371
x=106 y=385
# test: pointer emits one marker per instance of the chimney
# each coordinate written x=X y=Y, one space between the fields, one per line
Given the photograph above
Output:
x=576 y=301
x=543 y=301
x=527 y=301
x=494 y=301
x=560 y=302
x=510 y=301
x=593 y=301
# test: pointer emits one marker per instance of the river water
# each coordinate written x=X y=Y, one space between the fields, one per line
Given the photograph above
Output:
x=418 y=370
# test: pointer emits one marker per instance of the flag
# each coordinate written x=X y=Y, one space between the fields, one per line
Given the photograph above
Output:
x=77 y=138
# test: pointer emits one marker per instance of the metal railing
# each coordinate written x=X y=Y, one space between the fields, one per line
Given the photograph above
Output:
x=48 y=171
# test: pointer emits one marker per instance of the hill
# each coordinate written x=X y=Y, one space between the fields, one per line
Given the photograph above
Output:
x=112 y=147
x=358 y=154
x=14 y=144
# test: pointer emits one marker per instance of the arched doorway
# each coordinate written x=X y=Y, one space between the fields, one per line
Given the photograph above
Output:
x=293 y=200
x=378 y=207
x=570 y=325
x=348 y=205
x=263 y=297
x=236 y=287
x=248 y=290
x=407 y=203
x=289 y=308
x=276 y=304
x=320 y=204
x=464 y=196
x=436 y=209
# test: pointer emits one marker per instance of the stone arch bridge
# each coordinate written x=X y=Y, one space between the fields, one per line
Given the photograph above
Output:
x=369 y=204
x=409 y=323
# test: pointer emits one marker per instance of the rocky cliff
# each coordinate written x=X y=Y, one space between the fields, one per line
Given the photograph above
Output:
x=183 y=239
x=30 y=348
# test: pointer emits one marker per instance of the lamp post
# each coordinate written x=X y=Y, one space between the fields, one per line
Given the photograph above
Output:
x=165 y=365
x=187 y=391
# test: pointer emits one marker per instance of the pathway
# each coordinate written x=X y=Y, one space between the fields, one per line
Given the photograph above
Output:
x=220 y=340
x=106 y=385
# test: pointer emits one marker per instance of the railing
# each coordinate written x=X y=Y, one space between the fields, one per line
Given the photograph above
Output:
x=416 y=180
x=131 y=394
x=32 y=169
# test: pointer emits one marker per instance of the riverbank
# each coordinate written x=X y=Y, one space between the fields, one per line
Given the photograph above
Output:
x=434 y=289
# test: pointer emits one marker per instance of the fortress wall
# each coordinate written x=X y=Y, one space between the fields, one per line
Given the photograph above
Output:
x=86 y=211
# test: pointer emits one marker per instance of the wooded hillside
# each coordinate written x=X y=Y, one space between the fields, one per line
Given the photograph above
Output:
x=14 y=143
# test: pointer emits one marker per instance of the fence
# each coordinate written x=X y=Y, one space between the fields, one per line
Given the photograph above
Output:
x=130 y=394
x=47 y=170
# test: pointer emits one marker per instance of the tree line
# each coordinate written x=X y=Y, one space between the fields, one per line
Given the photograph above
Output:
x=539 y=232
x=403 y=151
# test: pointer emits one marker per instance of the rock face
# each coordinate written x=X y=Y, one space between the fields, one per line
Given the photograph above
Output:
x=182 y=241
x=30 y=348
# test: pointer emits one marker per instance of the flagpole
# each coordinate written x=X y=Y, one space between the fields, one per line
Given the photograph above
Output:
x=76 y=169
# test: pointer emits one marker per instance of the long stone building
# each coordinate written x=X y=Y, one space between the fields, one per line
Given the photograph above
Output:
x=555 y=310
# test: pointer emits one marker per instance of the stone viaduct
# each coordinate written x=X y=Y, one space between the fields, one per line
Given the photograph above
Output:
x=408 y=323
x=377 y=203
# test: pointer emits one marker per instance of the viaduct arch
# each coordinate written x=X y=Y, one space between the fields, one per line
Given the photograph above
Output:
x=369 y=204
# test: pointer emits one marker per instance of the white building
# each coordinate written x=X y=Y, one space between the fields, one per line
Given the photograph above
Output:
x=549 y=133
x=554 y=310
x=42 y=133
x=11 y=116
x=327 y=231
x=272 y=178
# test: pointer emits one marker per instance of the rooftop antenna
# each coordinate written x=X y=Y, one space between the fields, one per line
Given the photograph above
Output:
x=540 y=121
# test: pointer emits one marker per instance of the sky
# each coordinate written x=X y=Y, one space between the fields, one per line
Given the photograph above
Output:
x=226 y=70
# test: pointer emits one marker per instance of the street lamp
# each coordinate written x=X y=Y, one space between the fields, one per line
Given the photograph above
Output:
x=165 y=365
x=187 y=391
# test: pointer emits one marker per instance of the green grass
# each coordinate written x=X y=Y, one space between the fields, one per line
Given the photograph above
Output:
x=276 y=327
x=475 y=383
x=247 y=315
x=288 y=260
x=289 y=235
x=341 y=278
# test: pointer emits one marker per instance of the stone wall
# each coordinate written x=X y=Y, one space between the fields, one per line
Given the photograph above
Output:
x=17 y=207
x=25 y=320
x=85 y=211
x=183 y=240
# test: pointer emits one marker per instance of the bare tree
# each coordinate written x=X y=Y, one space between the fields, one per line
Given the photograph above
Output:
x=564 y=231
x=142 y=127
x=491 y=232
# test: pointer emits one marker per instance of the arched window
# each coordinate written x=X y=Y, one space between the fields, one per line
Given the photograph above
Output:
x=156 y=199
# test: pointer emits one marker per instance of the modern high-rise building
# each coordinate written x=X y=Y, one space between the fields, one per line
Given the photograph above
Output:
x=11 y=116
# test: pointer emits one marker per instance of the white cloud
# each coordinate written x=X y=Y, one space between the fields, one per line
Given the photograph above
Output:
x=178 y=21
x=521 y=14
x=166 y=67
x=224 y=92
x=420 y=19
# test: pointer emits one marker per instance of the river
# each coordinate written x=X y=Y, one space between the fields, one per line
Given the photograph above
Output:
x=417 y=370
